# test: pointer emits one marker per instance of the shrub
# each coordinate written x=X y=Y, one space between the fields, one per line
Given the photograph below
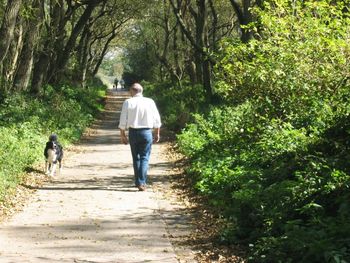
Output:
x=175 y=103
x=275 y=162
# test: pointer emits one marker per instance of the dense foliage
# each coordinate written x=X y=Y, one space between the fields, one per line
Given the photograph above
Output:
x=26 y=123
x=275 y=159
x=176 y=104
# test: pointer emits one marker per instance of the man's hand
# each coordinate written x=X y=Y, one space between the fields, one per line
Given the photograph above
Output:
x=123 y=138
x=156 y=137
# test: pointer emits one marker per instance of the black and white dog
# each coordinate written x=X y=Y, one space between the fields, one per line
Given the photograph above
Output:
x=53 y=153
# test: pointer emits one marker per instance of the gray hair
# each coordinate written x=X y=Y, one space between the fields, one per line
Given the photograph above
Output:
x=137 y=88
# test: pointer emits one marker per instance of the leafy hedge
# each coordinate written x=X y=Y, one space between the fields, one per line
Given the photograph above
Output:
x=276 y=161
x=284 y=190
x=175 y=103
x=26 y=123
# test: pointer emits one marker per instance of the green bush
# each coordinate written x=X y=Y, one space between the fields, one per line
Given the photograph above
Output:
x=175 y=103
x=275 y=162
x=301 y=54
x=272 y=180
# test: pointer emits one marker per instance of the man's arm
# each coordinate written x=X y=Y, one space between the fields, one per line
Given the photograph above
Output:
x=123 y=123
x=156 y=123
x=156 y=135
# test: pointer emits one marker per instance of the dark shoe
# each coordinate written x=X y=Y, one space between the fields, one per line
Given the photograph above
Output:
x=142 y=188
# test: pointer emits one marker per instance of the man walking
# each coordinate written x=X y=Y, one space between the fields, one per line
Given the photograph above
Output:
x=140 y=116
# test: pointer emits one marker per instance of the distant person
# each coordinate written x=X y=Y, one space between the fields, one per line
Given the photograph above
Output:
x=140 y=116
x=122 y=83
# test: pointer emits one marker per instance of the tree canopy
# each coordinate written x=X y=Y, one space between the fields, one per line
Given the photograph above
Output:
x=56 y=41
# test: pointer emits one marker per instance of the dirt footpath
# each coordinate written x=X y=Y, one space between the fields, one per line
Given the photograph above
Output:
x=93 y=213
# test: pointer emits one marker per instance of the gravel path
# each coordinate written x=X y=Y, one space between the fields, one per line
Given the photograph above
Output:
x=93 y=213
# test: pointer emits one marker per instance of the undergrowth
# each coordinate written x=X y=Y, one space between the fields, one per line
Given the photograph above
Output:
x=274 y=158
x=26 y=123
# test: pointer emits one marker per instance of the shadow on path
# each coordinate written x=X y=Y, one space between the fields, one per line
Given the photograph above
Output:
x=92 y=211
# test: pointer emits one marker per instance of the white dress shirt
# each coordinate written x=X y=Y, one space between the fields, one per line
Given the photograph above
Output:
x=139 y=112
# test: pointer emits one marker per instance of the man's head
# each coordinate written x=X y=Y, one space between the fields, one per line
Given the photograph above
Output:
x=136 y=88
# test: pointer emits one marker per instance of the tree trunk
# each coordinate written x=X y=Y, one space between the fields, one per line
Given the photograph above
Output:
x=207 y=79
x=8 y=26
x=83 y=51
x=63 y=57
x=47 y=56
x=187 y=32
x=25 y=66
x=191 y=71
x=11 y=61
x=202 y=58
x=203 y=65
x=40 y=72
x=214 y=25
x=103 y=53
x=244 y=17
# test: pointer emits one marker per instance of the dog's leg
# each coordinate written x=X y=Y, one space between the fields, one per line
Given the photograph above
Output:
x=60 y=167
x=53 y=169
x=46 y=167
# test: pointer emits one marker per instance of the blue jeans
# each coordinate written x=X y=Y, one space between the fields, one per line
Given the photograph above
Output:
x=140 y=143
